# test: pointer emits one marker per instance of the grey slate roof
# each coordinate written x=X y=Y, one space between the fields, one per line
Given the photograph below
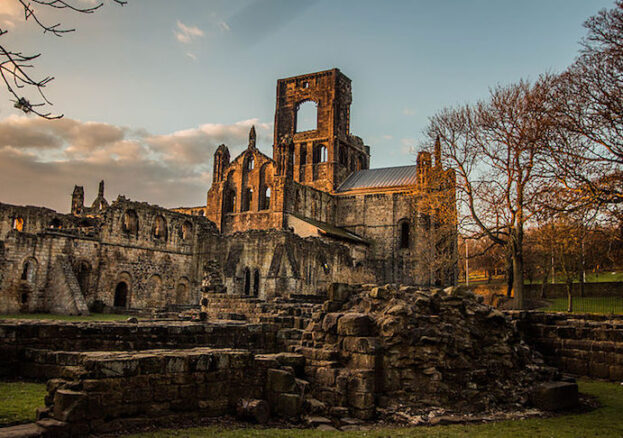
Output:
x=375 y=178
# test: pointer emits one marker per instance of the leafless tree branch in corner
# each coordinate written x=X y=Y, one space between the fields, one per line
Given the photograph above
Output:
x=16 y=67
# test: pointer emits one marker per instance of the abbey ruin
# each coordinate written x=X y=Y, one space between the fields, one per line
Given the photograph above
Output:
x=311 y=215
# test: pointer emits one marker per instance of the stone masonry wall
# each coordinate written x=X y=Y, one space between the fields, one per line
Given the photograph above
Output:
x=585 y=345
x=18 y=336
x=108 y=391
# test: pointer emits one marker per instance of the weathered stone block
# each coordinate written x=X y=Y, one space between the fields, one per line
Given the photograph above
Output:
x=355 y=324
x=280 y=381
x=366 y=345
x=339 y=292
x=288 y=405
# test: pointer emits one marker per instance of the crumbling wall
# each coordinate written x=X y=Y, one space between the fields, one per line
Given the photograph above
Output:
x=585 y=345
x=410 y=350
x=109 y=391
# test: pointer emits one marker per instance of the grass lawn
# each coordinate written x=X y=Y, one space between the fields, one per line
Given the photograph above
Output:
x=606 y=421
x=19 y=401
x=91 y=317
x=606 y=305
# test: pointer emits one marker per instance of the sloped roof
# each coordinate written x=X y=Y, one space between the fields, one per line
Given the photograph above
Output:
x=332 y=230
x=377 y=178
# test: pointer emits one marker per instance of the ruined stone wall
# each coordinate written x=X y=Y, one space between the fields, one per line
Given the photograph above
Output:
x=585 y=345
x=29 y=348
x=285 y=264
x=152 y=250
x=311 y=203
x=109 y=391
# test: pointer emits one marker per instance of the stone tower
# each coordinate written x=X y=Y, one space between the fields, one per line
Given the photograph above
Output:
x=326 y=154
x=221 y=161
x=77 y=200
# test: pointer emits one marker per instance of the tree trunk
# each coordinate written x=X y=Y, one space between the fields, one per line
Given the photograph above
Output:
x=569 y=297
x=519 y=300
x=509 y=277
x=544 y=283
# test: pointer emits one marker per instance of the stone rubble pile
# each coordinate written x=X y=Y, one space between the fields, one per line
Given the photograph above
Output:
x=383 y=349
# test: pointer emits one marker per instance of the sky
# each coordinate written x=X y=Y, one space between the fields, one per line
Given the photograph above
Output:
x=150 y=89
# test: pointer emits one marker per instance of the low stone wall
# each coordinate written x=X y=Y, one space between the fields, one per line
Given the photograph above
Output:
x=18 y=336
x=109 y=391
x=286 y=313
x=585 y=345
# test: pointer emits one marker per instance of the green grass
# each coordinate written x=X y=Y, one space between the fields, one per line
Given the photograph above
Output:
x=91 y=317
x=606 y=421
x=19 y=401
x=603 y=305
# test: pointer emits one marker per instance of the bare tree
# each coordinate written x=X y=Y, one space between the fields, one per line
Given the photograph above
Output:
x=588 y=153
x=498 y=150
x=15 y=66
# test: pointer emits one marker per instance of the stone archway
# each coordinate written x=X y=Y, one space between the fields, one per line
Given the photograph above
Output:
x=121 y=294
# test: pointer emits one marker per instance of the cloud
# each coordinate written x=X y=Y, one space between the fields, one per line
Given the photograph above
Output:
x=41 y=160
x=186 y=34
x=10 y=12
x=224 y=26
x=408 y=146
x=408 y=111
x=191 y=56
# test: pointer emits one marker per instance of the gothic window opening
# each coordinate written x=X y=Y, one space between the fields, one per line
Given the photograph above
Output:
x=307 y=116
x=121 y=295
x=405 y=231
x=248 y=199
x=320 y=154
x=160 y=228
x=230 y=201
x=187 y=230
x=28 y=271
x=18 y=224
x=256 y=283
x=303 y=154
x=129 y=223
x=83 y=275
x=250 y=163
x=266 y=204
x=247 y=281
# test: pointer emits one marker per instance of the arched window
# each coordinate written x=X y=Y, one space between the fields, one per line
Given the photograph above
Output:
x=247 y=281
x=187 y=230
x=256 y=283
x=405 y=231
x=121 y=295
x=303 y=154
x=129 y=223
x=250 y=163
x=160 y=228
x=83 y=275
x=181 y=292
x=18 y=224
x=55 y=223
x=229 y=201
x=307 y=116
x=248 y=199
x=29 y=271
x=266 y=203
x=320 y=154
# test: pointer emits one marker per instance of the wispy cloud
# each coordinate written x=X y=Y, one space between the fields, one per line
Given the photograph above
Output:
x=41 y=160
x=191 y=56
x=408 y=111
x=187 y=34
x=408 y=146
x=224 y=26
x=10 y=12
